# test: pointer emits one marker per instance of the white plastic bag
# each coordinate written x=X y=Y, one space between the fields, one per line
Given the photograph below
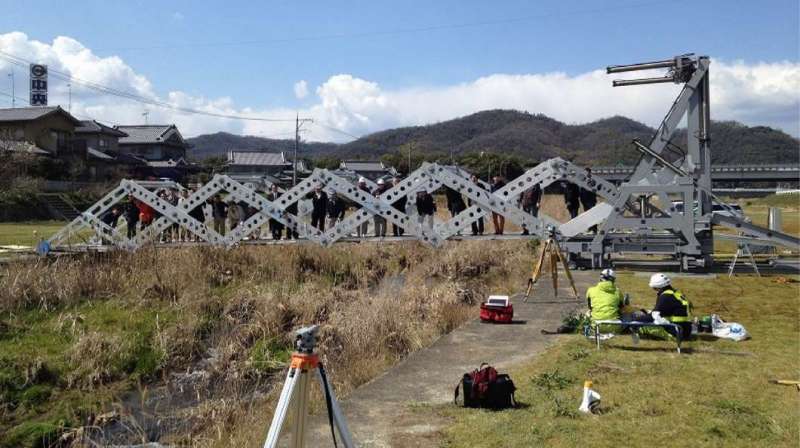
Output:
x=729 y=330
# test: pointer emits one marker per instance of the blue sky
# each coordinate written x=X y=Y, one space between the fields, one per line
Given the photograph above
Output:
x=253 y=53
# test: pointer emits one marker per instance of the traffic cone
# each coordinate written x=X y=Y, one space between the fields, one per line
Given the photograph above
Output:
x=591 y=399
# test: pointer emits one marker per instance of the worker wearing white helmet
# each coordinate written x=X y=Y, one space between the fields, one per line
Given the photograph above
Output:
x=605 y=299
x=671 y=303
x=378 y=220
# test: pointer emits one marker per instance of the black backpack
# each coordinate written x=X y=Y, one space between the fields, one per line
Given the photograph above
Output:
x=485 y=388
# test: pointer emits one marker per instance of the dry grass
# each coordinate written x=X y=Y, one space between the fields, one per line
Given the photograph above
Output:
x=102 y=322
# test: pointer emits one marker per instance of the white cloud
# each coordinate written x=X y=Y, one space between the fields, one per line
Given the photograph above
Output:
x=755 y=94
x=177 y=17
x=301 y=89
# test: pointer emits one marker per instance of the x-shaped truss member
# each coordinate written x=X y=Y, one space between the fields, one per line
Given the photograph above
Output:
x=381 y=206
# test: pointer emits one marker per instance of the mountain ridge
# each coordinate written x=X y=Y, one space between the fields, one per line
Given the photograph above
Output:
x=530 y=137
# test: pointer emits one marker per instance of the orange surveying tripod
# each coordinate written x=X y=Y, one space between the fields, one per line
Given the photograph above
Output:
x=294 y=396
x=551 y=252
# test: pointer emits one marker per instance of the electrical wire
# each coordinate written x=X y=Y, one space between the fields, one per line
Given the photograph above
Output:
x=81 y=116
x=334 y=129
x=399 y=31
x=16 y=60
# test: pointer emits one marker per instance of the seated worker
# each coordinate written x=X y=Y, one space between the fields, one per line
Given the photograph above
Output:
x=672 y=305
x=605 y=300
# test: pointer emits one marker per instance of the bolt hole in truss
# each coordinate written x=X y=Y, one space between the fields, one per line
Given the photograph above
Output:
x=637 y=217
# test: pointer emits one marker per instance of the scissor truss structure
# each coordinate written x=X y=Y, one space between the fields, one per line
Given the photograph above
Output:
x=637 y=217
x=429 y=177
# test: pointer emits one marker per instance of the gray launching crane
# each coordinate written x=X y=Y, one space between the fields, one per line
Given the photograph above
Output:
x=643 y=217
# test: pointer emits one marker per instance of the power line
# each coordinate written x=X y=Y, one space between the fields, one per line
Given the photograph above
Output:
x=81 y=116
x=334 y=129
x=16 y=60
x=399 y=31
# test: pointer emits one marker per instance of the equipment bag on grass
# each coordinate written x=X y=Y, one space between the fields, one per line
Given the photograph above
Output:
x=485 y=388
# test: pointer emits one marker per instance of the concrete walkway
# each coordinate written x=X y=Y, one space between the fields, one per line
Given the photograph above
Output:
x=380 y=412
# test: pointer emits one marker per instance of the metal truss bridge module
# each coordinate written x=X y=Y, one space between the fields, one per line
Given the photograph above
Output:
x=637 y=217
x=429 y=177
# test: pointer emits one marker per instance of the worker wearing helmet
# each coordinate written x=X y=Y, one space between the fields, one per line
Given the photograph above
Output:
x=605 y=299
x=671 y=304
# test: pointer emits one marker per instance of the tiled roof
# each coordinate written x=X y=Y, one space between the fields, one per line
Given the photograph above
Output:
x=93 y=127
x=155 y=133
x=257 y=158
x=33 y=113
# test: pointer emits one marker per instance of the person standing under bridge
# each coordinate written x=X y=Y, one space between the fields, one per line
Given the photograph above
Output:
x=530 y=201
x=588 y=196
x=477 y=226
x=319 y=207
x=335 y=208
x=275 y=227
x=571 y=198
x=498 y=220
x=426 y=208
x=131 y=216
x=379 y=221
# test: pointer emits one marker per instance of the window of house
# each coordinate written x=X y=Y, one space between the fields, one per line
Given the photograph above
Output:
x=101 y=142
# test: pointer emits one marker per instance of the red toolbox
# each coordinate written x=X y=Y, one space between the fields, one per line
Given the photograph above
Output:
x=497 y=309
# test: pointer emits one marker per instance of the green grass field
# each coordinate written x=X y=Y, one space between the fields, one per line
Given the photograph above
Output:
x=716 y=394
x=21 y=233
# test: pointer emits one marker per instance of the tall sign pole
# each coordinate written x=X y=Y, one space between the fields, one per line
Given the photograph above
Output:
x=38 y=85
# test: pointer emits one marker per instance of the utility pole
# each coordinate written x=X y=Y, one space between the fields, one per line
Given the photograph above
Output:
x=69 y=104
x=145 y=114
x=13 y=95
x=410 y=146
x=297 y=124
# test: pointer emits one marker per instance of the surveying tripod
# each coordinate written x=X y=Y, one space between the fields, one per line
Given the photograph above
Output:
x=295 y=395
x=742 y=250
x=551 y=252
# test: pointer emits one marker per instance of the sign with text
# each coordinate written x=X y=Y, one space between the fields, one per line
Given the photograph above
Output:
x=38 y=85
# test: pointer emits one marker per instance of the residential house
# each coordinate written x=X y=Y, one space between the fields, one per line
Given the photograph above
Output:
x=99 y=137
x=100 y=144
x=266 y=167
x=153 y=142
x=48 y=129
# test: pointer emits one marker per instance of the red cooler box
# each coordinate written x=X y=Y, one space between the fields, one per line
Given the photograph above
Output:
x=497 y=309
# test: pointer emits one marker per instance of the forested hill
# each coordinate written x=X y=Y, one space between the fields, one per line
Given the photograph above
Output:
x=531 y=137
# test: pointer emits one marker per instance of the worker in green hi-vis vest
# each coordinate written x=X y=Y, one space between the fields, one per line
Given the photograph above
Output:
x=605 y=300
